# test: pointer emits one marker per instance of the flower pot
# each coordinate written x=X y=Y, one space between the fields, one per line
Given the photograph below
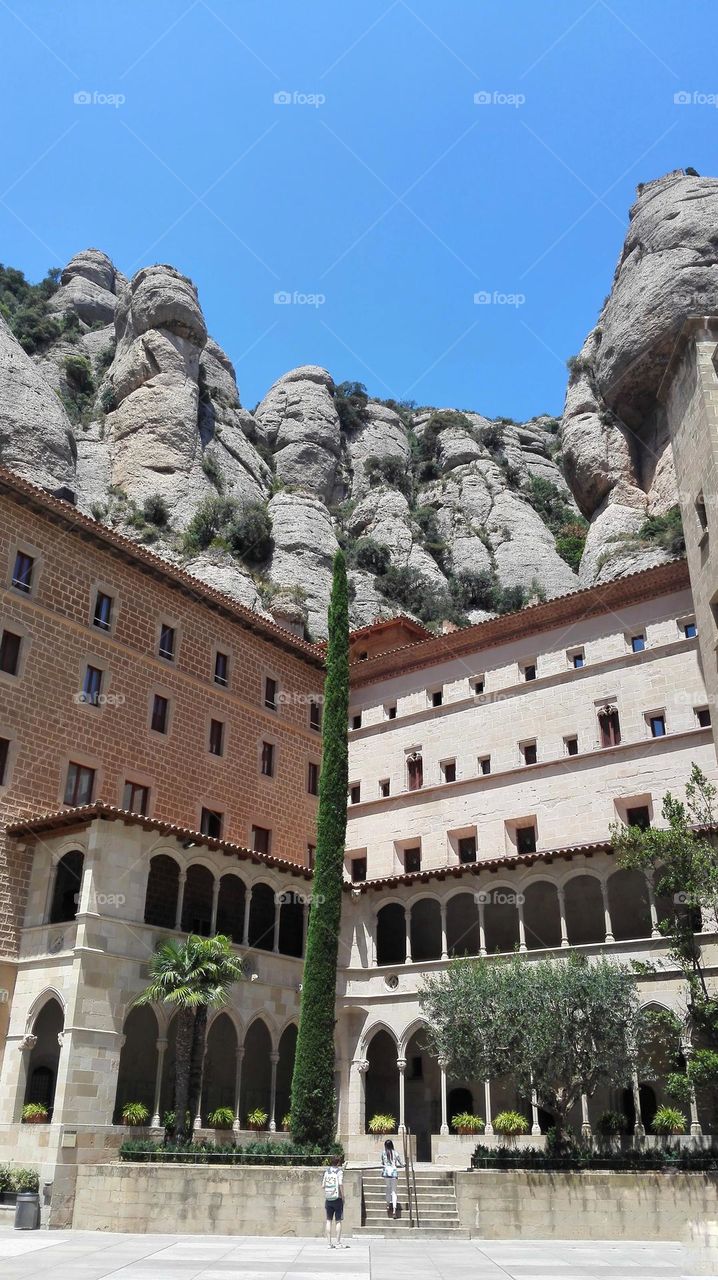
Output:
x=36 y=1120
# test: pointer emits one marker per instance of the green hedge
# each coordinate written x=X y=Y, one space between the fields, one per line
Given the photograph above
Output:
x=145 y=1151
x=660 y=1159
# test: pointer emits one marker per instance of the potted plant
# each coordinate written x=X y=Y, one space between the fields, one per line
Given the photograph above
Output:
x=221 y=1118
x=135 y=1114
x=5 y=1183
x=382 y=1124
x=668 y=1121
x=466 y=1123
x=34 y=1113
x=257 y=1119
x=17 y=1180
x=511 y=1125
x=287 y=1122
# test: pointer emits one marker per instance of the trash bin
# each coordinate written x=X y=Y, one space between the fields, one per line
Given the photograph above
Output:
x=27 y=1211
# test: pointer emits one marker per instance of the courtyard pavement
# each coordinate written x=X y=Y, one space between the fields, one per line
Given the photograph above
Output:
x=85 y=1255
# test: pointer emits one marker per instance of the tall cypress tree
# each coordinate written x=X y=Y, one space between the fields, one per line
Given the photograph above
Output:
x=313 y=1081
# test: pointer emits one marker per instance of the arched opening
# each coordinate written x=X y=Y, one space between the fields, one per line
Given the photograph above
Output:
x=382 y=1078
x=391 y=934
x=285 y=1071
x=167 y=1100
x=542 y=916
x=462 y=925
x=629 y=904
x=585 y=919
x=230 y=908
x=256 y=1070
x=660 y=1053
x=291 y=925
x=422 y=1093
x=261 y=917
x=45 y=1055
x=138 y=1061
x=220 y=1067
x=66 y=892
x=426 y=930
x=501 y=920
x=459 y=1100
x=162 y=891
x=197 y=903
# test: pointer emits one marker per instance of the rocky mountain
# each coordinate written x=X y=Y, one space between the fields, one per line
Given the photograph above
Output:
x=113 y=394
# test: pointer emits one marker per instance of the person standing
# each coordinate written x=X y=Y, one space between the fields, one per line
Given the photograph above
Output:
x=390 y=1166
x=333 y=1184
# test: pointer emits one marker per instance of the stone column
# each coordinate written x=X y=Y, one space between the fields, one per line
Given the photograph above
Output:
x=695 y=1129
x=586 y=1131
x=180 y=898
x=482 y=927
x=373 y=930
x=277 y=922
x=407 y=919
x=401 y=1067
x=444 y=933
x=238 y=1089
x=562 y=911
x=274 y=1059
x=607 y=913
x=487 y=1106
x=655 y=931
x=444 y=1102
x=215 y=902
x=14 y=1076
x=356 y=1108
x=161 y=1050
x=638 y=1129
x=522 y=927
x=535 y=1126
x=197 y=1122
x=245 y=922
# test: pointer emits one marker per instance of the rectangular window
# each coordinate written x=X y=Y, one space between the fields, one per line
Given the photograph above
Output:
x=578 y=659
x=412 y=860
x=92 y=686
x=467 y=849
x=638 y=643
x=261 y=839
x=526 y=839
x=609 y=727
x=358 y=870
x=160 y=713
x=270 y=694
x=311 y=854
x=690 y=630
x=315 y=715
x=313 y=778
x=437 y=697
x=211 y=824
x=415 y=772
x=657 y=726
x=102 y=616
x=221 y=668
x=448 y=771
x=384 y=788
x=216 y=737
x=355 y=793
x=485 y=764
x=356 y=721
x=22 y=573
x=4 y=754
x=702 y=513
x=529 y=671
x=703 y=716
x=390 y=711
x=639 y=816
x=136 y=797
x=478 y=684
x=168 y=637
x=80 y=784
x=10 y=653
x=268 y=759
x=571 y=746
x=528 y=752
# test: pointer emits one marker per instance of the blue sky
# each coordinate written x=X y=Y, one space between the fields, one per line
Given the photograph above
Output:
x=381 y=197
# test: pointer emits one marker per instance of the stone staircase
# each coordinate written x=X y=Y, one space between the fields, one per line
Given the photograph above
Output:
x=438 y=1212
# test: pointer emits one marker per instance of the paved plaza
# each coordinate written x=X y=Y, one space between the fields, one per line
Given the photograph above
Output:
x=83 y=1255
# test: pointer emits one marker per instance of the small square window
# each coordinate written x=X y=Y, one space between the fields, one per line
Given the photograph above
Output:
x=703 y=717
x=358 y=870
x=315 y=715
x=160 y=713
x=467 y=849
x=485 y=764
x=4 y=756
x=384 y=788
x=657 y=726
x=136 y=797
x=355 y=793
x=216 y=737
x=22 y=572
x=261 y=839
x=211 y=824
x=638 y=643
x=92 y=686
x=390 y=711
x=412 y=860
x=571 y=746
x=79 y=785
x=577 y=659
x=478 y=684
x=267 y=765
x=221 y=668
x=356 y=721
x=168 y=638
x=526 y=839
x=639 y=816
x=436 y=697
x=690 y=630
x=529 y=671
x=102 y=616
x=270 y=694
x=528 y=752
x=448 y=771
x=313 y=778
x=10 y=653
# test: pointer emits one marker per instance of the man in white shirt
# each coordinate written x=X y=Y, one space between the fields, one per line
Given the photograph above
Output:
x=333 y=1185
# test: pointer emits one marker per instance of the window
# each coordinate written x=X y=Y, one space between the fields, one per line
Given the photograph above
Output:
x=529 y=671
x=211 y=823
x=10 y=653
x=216 y=737
x=356 y=721
x=315 y=715
x=657 y=725
x=526 y=839
x=478 y=684
x=390 y=711
x=358 y=870
x=577 y=659
x=703 y=716
x=311 y=854
x=136 y=797
x=639 y=816
x=609 y=726
x=571 y=746
x=102 y=616
x=412 y=860
x=690 y=630
x=638 y=643
x=313 y=778
x=270 y=693
x=355 y=793
x=268 y=759
x=168 y=637
x=467 y=849
x=4 y=755
x=22 y=573
x=261 y=839
x=92 y=686
x=80 y=784
x=702 y=514
x=415 y=771
x=221 y=668
x=528 y=752
x=485 y=764
x=160 y=713
x=385 y=788
x=436 y=697
x=448 y=771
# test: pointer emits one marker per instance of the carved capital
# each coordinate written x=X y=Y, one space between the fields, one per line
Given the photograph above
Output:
x=401 y=1064
x=27 y=1042
x=361 y=1064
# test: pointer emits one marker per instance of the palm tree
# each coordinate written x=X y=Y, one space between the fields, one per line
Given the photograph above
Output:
x=192 y=976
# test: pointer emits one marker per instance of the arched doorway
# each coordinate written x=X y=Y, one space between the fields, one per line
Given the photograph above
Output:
x=138 y=1061
x=262 y=909
x=542 y=916
x=285 y=1071
x=45 y=1055
x=291 y=925
x=426 y=930
x=220 y=1067
x=197 y=902
x=501 y=920
x=162 y=891
x=391 y=934
x=462 y=925
x=629 y=904
x=382 y=1077
x=256 y=1070
x=230 y=907
x=422 y=1093
x=66 y=891
x=585 y=918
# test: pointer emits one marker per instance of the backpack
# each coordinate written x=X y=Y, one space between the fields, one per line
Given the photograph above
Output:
x=331 y=1183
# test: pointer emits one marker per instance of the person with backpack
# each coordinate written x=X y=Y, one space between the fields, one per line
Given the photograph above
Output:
x=333 y=1185
x=390 y=1166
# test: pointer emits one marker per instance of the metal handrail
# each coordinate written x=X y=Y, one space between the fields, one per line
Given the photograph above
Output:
x=410 y=1179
